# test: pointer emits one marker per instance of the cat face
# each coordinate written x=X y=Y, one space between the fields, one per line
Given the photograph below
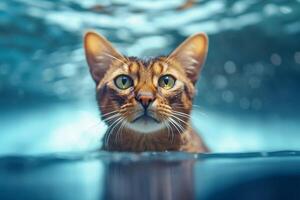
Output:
x=145 y=96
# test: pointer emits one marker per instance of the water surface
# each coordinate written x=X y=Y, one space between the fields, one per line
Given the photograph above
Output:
x=101 y=175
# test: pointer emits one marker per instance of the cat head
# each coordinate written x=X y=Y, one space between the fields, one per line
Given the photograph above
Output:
x=145 y=96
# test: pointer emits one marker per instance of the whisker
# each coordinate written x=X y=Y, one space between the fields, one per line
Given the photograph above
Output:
x=181 y=113
x=109 y=113
x=111 y=128
x=167 y=60
x=105 y=106
x=112 y=107
x=182 y=106
x=121 y=127
x=197 y=110
x=178 y=125
x=111 y=117
x=167 y=129
x=111 y=56
x=180 y=120
x=119 y=131
x=111 y=132
x=172 y=133
x=174 y=124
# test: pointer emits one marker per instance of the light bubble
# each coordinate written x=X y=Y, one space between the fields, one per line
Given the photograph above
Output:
x=136 y=20
x=3 y=6
x=297 y=57
x=244 y=103
x=68 y=70
x=4 y=69
x=239 y=7
x=60 y=88
x=228 y=96
x=275 y=59
x=48 y=74
x=220 y=81
x=123 y=34
x=285 y=9
x=254 y=82
x=37 y=54
x=270 y=9
x=230 y=67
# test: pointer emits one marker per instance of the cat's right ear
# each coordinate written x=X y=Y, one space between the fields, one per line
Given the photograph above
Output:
x=191 y=55
x=99 y=54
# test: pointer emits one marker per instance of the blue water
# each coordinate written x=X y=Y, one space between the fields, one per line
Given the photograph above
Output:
x=101 y=175
x=248 y=100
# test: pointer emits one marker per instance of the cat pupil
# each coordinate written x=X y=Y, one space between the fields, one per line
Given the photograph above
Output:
x=166 y=80
x=124 y=80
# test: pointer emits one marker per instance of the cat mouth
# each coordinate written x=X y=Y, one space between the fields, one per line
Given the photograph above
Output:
x=145 y=124
x=145 y=119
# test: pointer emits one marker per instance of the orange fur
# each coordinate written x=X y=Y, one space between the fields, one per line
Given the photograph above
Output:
x=145 y=116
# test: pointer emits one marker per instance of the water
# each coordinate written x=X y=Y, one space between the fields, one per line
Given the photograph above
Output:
x=248 y=95
x=101 y=175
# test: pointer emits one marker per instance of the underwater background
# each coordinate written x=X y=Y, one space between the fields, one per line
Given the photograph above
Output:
x=248 y=93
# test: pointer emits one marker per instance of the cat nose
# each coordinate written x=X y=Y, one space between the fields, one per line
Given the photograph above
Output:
x=145 y=99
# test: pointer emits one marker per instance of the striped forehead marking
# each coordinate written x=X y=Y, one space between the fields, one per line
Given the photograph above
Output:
x=133 y=67
x=157 y=68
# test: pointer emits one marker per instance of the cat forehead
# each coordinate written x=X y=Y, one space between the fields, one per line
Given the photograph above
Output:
x=155 y=65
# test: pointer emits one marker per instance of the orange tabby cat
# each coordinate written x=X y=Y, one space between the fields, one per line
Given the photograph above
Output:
x=147 y=103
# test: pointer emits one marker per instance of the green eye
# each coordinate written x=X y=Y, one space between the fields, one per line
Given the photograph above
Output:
x=123 y=82
x=166 y=82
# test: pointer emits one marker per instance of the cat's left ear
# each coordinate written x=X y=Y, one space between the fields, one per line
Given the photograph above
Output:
x=100 y=55
x=191 y=55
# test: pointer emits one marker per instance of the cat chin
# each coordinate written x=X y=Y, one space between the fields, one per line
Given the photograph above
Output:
x=145 y=126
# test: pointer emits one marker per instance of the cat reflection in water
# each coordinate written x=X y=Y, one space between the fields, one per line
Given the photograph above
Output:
x=147 y=103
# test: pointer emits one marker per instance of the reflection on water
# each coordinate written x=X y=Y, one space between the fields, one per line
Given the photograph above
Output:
x=101 y=175
x=150 y=180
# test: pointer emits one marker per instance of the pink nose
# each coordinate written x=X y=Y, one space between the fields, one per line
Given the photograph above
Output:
x=145 y=98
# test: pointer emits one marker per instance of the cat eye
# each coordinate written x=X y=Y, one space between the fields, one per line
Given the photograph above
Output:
x=123 y=82
x=166 y=82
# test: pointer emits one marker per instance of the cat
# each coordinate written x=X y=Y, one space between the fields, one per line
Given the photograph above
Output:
x=147 y=103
